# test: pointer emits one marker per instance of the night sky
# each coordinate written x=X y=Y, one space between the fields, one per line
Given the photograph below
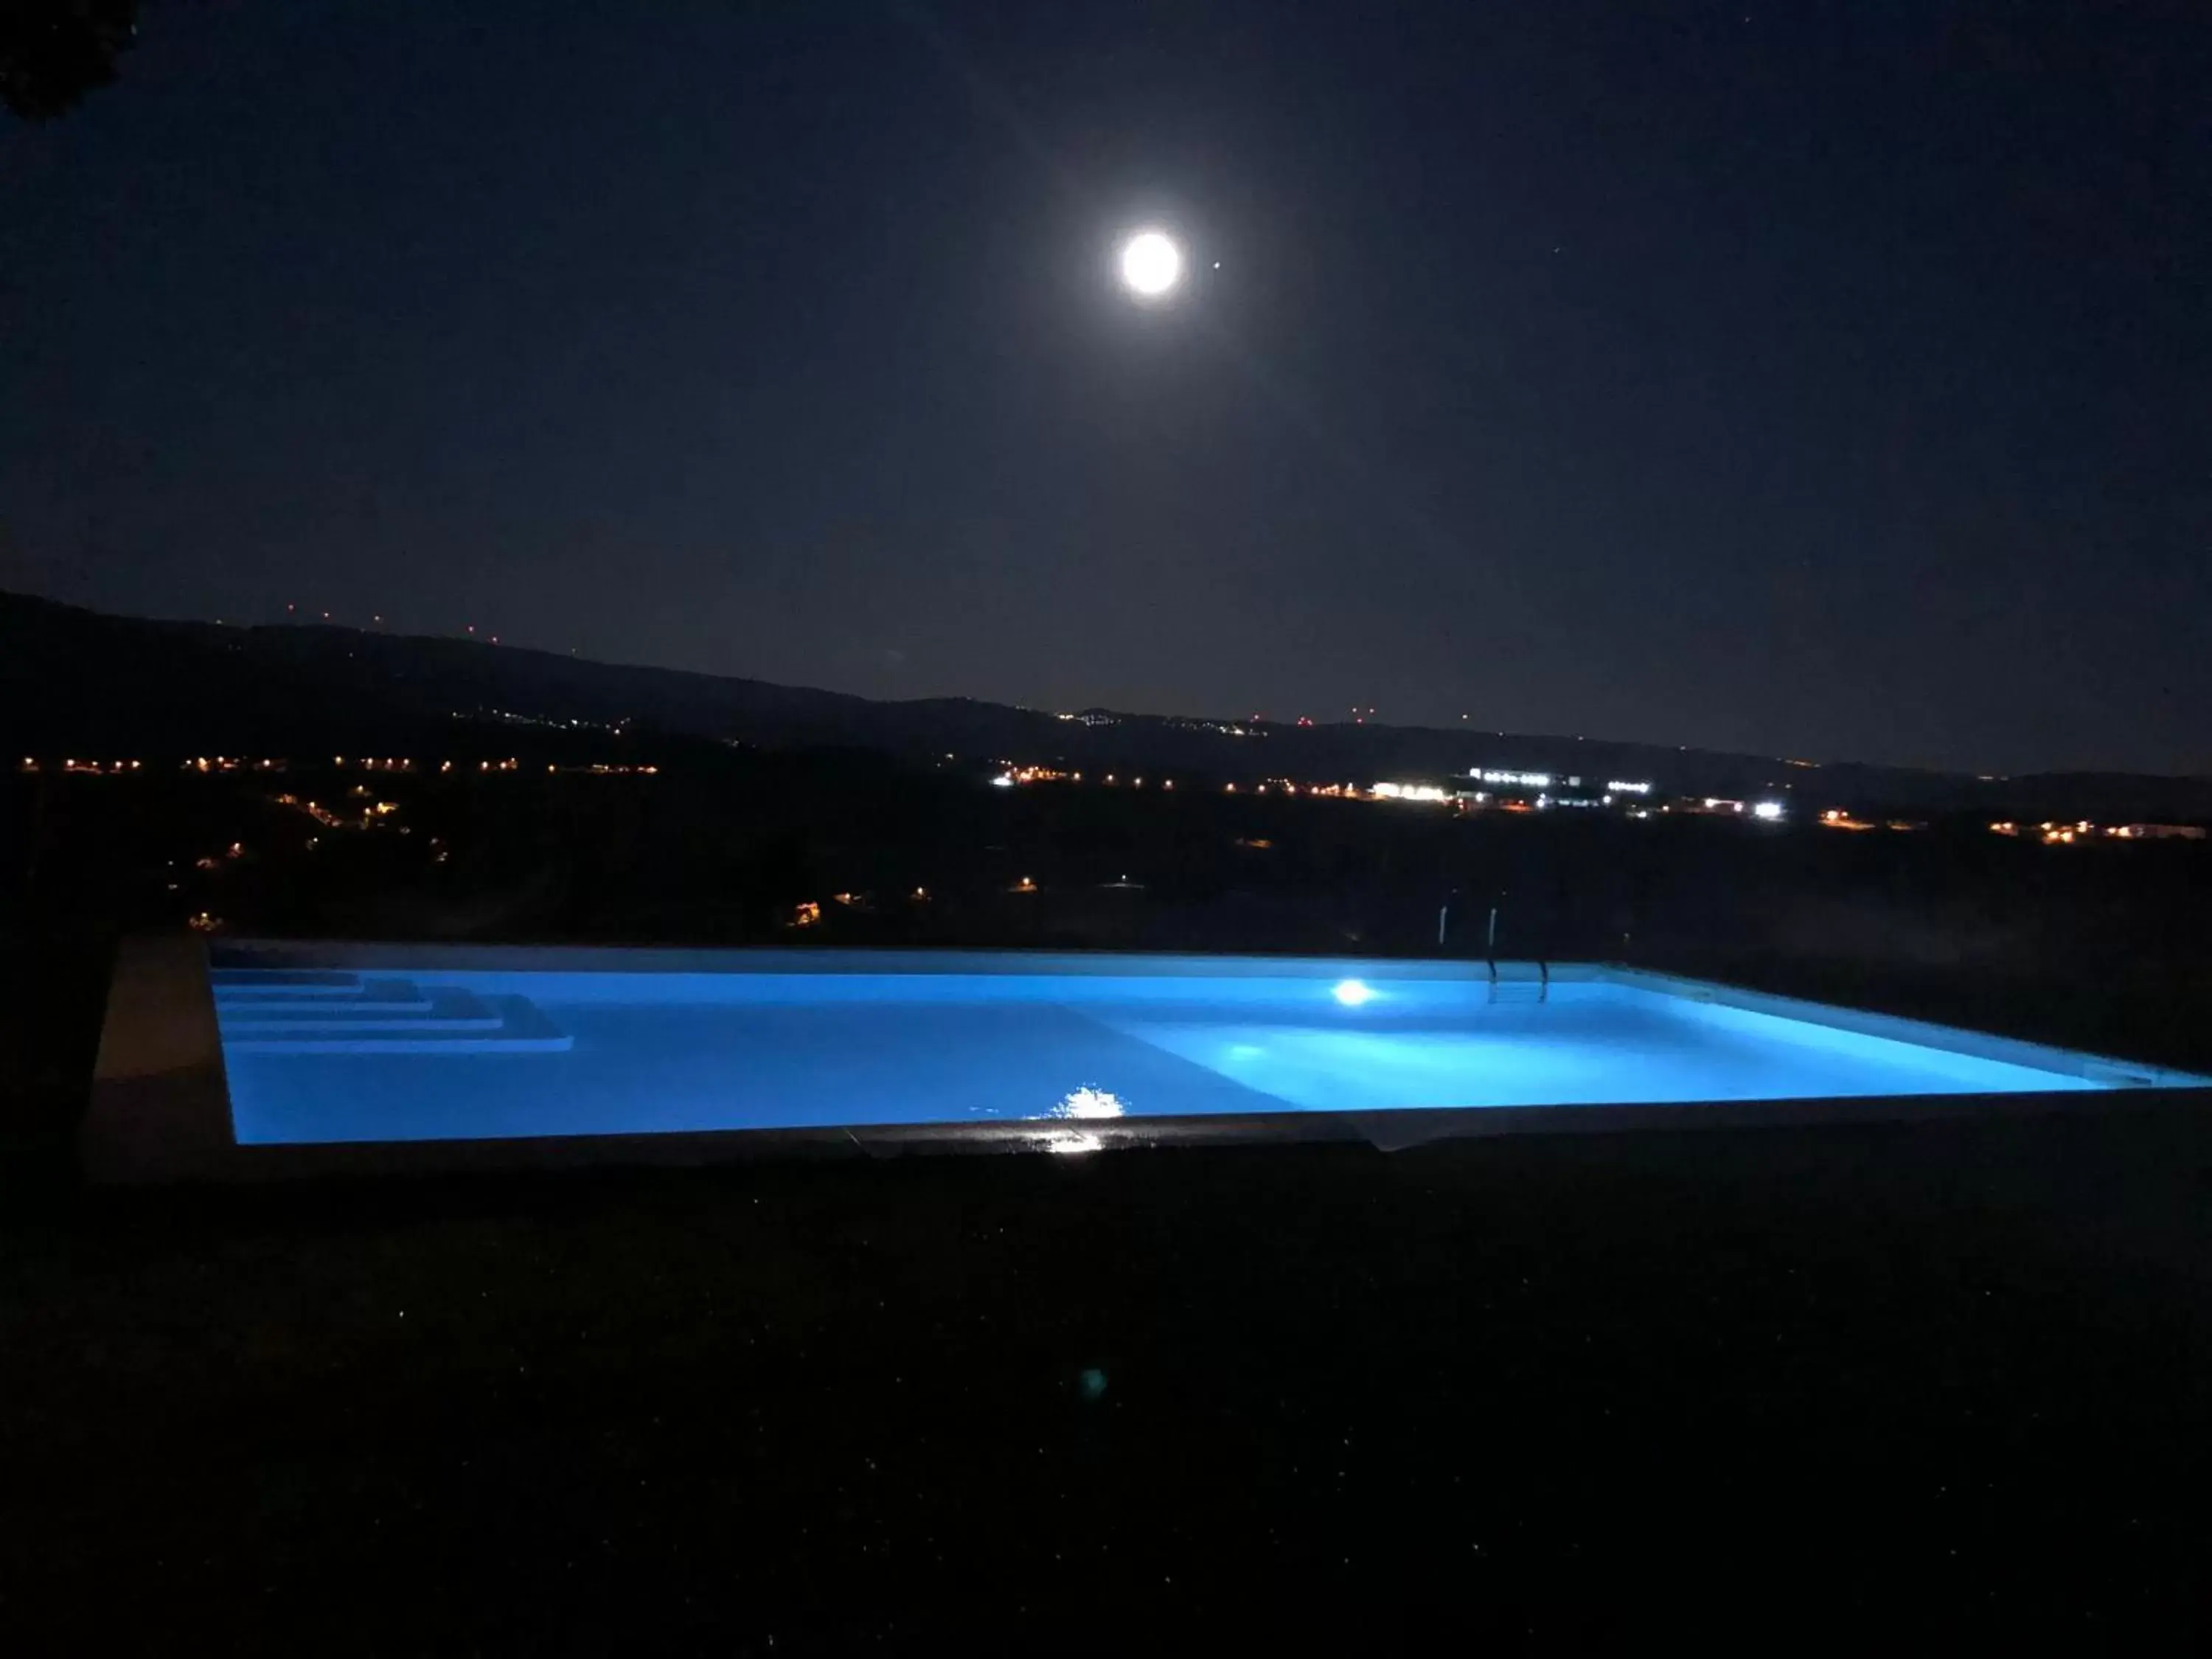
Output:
x=1822 y=379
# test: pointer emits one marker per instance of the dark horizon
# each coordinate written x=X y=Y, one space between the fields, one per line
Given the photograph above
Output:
x=1817 y=384
x=1480 y=743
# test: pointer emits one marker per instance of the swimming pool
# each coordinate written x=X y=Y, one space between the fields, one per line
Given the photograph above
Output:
x=326 y=1046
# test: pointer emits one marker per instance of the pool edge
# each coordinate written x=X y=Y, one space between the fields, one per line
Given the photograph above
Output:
x=2124 y=1074
x=159 y=1111
x=159 y=1108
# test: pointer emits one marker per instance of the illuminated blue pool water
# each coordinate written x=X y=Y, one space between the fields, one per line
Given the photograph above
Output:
x=395 y=1050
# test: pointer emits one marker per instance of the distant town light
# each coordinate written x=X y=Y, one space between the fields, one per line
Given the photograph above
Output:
x=1768 y=810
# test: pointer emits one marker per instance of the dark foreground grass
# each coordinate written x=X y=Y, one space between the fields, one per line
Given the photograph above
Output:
x=1788 y=1389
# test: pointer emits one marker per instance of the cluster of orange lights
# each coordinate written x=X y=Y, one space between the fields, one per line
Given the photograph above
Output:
x=2049 y=833
x=1020 y=774
x=1836 y=818
x=323 y=815
x=405 y=763
x=1329 y=791
x=315 y=810
x=2052 y=834
x=215 y=861
x=1017 y=774
x=211 y=763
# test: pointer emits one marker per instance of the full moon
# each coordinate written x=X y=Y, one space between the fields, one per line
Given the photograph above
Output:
x=1152 y=265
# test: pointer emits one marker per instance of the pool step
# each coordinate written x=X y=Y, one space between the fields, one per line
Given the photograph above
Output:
x=1519 y=991
x=439 y=1009
x=286 y=981
x=390 y=1017
x=390 y=996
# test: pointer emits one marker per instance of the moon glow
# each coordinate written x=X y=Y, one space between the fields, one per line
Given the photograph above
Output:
x=1152 y=265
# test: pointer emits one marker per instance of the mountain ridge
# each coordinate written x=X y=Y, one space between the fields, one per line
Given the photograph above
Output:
x=84 y=680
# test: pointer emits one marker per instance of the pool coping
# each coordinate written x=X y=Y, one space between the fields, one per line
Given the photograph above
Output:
x=160 y=1111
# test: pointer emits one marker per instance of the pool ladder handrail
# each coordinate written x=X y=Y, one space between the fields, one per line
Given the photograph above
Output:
x=1543 y=979
x=1490 y=949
